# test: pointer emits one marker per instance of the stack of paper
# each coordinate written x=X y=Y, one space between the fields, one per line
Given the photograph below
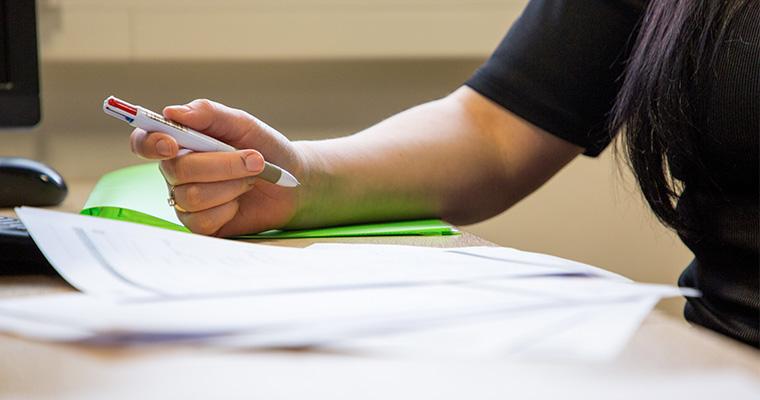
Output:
x=141 y=284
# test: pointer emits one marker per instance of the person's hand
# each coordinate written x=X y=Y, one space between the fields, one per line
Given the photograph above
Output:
x=218 y=193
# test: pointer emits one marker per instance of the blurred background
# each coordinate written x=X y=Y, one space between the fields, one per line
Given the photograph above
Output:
x=316 y=69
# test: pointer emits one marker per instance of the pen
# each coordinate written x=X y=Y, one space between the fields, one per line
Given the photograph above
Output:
x=145 y=119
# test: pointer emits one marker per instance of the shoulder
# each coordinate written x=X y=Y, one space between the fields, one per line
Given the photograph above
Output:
x=559 y=66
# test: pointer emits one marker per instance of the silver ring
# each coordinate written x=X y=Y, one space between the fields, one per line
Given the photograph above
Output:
x=172 y=202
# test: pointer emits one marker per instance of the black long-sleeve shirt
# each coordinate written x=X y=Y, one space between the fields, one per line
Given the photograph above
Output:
x=560 y=68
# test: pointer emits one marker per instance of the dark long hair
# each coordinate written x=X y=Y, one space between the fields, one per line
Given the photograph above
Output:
x=676 y=48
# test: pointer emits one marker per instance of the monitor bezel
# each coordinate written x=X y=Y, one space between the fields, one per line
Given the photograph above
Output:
x=20 y=103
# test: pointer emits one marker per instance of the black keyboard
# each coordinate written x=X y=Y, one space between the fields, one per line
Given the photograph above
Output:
x=18 y=253
x=13 y=227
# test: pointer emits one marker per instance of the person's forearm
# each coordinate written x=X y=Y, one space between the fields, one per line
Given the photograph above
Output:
x=443 y=159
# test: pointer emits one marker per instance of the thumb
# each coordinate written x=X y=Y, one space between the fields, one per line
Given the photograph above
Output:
x=227 y=124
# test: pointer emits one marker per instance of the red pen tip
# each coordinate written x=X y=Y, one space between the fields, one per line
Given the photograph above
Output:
x=122 y=106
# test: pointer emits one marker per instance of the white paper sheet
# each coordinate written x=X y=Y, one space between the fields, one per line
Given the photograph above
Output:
x=578 y=319
x=118 y=259
x=588 y=332
x=42 y=329
x=273 y=311
x=535 y=262
x=500 y=319
x=145 y=285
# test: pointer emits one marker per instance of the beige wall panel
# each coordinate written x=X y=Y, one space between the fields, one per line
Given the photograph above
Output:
x=258 y=30
x=83 y=34
x=18 y=144
x=174 y=5
x=337 y=34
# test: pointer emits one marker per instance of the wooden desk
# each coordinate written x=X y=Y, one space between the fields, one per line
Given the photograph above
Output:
x=664 y=355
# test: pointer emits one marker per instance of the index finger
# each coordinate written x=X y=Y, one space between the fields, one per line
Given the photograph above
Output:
x=154 y=145
x=212 y=166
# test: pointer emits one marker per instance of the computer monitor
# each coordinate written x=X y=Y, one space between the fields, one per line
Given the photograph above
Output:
x=22 y=181
x=19 y=75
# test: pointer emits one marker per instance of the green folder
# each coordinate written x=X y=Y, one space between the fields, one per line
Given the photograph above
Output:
x=138 y=194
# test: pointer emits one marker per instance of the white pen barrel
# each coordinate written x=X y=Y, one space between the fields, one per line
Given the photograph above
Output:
x=184 y=136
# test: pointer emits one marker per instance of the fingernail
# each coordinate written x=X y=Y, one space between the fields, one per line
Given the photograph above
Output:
x=164 y=148
x=181 y=108
x=254 y=162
